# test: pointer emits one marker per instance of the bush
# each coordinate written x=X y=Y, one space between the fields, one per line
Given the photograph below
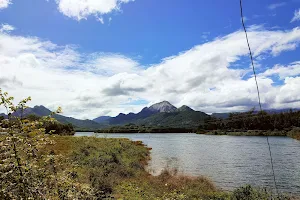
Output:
x=250 y=193
x=28 y=172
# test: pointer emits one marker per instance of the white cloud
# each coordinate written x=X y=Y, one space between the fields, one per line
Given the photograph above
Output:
x=89 y=85
x=284 y=71
x=276 y=5
x=81 y=9
x=296 y=16
x=6 y=28
x=4 y=3
x=109 y=64
x=100 y=19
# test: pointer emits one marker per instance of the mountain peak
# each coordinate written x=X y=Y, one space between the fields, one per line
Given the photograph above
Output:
x=184 y=108
x=163 y=106
x=40 y=110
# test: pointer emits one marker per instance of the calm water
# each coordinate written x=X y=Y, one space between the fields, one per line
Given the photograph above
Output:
x=230 y=161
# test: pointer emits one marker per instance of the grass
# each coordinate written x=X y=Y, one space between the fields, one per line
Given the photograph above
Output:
x=169 y=186
x=295 y=133
x=102 y=163
x=115 y=168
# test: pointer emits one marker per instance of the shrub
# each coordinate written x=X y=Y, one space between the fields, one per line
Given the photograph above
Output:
x=250 y=193
x=25 y=171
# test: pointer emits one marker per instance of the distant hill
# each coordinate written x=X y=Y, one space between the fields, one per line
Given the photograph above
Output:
x=220 y=115
x=101 y=119
x=185 y=119
x=43 y=111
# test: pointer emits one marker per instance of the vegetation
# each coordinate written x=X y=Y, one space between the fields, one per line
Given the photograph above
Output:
x=132 y=128
x=114 y=169
x=251 y=123
x=183 y=117
x=36 y=165
x=53 y=126
x=103 y=163
x=27 y=169
x=189 y=119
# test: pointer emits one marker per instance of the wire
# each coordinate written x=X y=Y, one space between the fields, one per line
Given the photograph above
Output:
x=257 y=88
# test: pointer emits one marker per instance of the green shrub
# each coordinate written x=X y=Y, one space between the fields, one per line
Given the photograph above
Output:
x=250 y=193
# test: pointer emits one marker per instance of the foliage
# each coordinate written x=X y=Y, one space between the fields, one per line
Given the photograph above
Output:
x=103 y=163
x=36 y=165
x=53 y=126
x=169 y=186
x=294 y=133
x=189 y=119
x=132 y=128
x=248 y=193
x=25 y=172
x=278 y=123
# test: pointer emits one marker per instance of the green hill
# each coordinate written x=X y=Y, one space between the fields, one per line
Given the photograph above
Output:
x=184 y=119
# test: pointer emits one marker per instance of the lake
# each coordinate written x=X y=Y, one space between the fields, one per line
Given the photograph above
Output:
x=230 y=161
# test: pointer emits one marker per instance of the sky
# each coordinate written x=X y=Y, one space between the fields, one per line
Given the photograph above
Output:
x=105 y=57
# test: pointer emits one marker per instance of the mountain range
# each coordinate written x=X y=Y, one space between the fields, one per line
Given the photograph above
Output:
x=43 y=111
x=159 y=114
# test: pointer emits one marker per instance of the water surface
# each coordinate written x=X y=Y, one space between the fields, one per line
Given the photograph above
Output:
x=230 y=161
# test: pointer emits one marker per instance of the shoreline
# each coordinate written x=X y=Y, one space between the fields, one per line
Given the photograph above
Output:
x=294 y=133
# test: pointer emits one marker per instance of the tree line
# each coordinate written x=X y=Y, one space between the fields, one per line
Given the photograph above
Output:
x=50 y=126
x=252 y=120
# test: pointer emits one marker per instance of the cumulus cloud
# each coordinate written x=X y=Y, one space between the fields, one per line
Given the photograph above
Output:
x=111 y=63
x=81 y=9
x=90 y=85
x=4 y=4
x=283 y=72
x=276 y=5
x=296 y=16
x=6 y=28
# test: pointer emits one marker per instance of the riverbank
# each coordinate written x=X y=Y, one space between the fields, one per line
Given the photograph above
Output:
x=132 y=128
x=116 y=167
x=294 y=133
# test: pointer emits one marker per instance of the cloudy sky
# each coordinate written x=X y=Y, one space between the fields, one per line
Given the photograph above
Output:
x=103 y=57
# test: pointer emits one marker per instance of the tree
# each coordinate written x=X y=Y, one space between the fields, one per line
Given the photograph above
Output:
x=26 y=172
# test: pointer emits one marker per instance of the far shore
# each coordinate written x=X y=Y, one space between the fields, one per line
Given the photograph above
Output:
x=294 y=133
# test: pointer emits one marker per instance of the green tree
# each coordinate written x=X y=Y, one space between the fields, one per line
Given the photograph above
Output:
x=26 y=172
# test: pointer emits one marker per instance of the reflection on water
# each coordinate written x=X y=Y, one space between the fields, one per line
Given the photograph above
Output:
x=230 y=161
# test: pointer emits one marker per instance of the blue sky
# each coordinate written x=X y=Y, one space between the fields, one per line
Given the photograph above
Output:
x=128 y=54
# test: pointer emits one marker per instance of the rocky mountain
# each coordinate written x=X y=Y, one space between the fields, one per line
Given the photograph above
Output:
x=161 y=114
x=36 y=110
x=122 y=118
x=184 y=108
x=164 y=106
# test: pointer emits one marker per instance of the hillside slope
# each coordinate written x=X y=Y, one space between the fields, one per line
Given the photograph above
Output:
x=43 y=111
